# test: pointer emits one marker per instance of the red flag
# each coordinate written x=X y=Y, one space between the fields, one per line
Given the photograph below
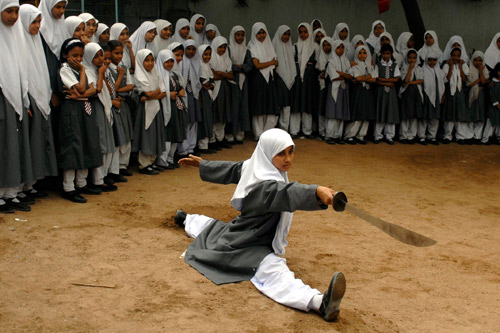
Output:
x=383 y=5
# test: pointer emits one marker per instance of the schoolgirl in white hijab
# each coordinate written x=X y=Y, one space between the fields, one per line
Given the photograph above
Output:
x=128 y=59
x=164 y=56
x=349 y=49
x=316 y=23
x=71 y=23
x=263 y=51
x=492 y=54
x=455 y=41
x=373 y=39
x=323 y=57
x=191 y=65
x=430 y=36
x=337 y=64
x=101 y=28
x=197 y=36
x=53 y=30
x=87 y=17
x=213 y=28
x=141 y=38
x=476 y=80
x=160 y=42
x=305 y=48
x=180 y=24
x=238 y=51
x=358 y=39
x=219 y=63
x=402 y=44
x=397 y=57
x=205 y=70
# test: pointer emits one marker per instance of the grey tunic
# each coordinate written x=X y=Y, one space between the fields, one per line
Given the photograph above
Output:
x=206 y=125
x=387 y=102
x=493 y=113
x=240 y=104
x=231 y=252
x=123 y=128
x=106 y=138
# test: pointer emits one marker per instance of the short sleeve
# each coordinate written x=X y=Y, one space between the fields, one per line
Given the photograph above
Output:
x=68 y=78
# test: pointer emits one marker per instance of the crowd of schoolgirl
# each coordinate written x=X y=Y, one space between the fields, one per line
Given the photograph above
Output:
x=78 y=97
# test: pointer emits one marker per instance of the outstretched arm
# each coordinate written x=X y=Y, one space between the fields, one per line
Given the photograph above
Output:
x=219 y=172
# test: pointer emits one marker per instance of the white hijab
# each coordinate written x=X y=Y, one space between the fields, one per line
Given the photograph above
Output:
x=38 y=78
x=422 y=53
x=355 y=41
x=260 y=168
x=323 y=57
x=114 y=33
x=209 y=27
x=362 y=68
x=336 y=64
x=238 y=51
x=177 y=69
x=474 y=75
x=53 y=31
x=198 y=37
x=402 y=44
x=181 y=23
x=492 y=54
x=159 y=43
x=417 y=74
x=263 y=51
x=138 y=37
x=219 y=63
x=372 y=39
x=101 y=27
x=71 y=23
x=285 y=56
x=147 y=81
x=164 y=56
x=349 y=49
x=430 y=75
x=449 y=47
x=87 y=17
x=205 y=70
x=320 y=23
x=305 y=48
x=191 y=65
x=397 y=57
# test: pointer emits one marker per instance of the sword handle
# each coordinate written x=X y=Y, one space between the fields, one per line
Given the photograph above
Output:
x=339 y=201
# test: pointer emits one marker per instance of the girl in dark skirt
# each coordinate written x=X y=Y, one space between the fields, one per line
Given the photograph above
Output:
x=206 y=125
x=492 y=127
x=476 y=82
x=325 y=51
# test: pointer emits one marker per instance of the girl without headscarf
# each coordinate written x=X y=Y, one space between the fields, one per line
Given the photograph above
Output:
x=252 y=243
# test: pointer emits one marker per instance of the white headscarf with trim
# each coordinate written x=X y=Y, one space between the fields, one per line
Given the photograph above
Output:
x=53 y=31
x=285 y=56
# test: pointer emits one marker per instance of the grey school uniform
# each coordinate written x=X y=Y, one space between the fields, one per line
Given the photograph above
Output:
x=231 y=252
x=493 y=113
x=387 y=110
x=150 y=141
x=176 y=128
x=123 y=126
x=206 y=125
x=241 y=113
x=106 y=138
x=455 y=109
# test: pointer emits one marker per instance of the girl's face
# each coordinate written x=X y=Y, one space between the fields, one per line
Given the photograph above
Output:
x=207 y=55
x=429 y=40
x=339 y=50
x=123 y=36
x=35 y=25
x=319 y=37
x=190 y=51
x=149 y=63
x=98 y=60
x=165 y=33
x=284 y=159
x=316 y=25
x=286 y=36
x=239 y=37
x=76 y=54
x=261 y=36
x=411 y=42
x=104 y=37
x=360 y=42
x=477 y=62
x=222 y=49
x=456 y=45
x=384 y=40
x=210 y=34
x=179 y=54
x=184 y=32
x=117 y=55
x=169 y=64
x=327 y=47
x=303 y=33
x=432 y=62
x=58 y=10
x=90 y=28
x=79 y=31
x=343 y=33
x=412 y=58
x=199 y=25
x=362 y=55
x=378 y=29
x=10 y=16
x=150 y=35
x=107 y=58
x=456 y=55
x=386 y=55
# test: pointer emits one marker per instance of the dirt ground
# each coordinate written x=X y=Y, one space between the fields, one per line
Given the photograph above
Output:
x=449 y=193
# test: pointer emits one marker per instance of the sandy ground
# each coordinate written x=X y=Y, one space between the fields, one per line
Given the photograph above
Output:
x=449 y=193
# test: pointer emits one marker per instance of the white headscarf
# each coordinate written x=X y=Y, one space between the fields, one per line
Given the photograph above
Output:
x=163 y=57
x=13 y=62
x=449 y=47
x=219 y=63
x=138 y=37
x=397 y=57
x=147 y=81
x=492 y=54
x=159 y=43
x=263 y=51
x=38 y=78
x=238 y=51
x=321 y=23
x=191 y=65
x=285 y=56
x=336 y=64
x=209 y=27
x=181 y=23
x=402 y=43
x=417 y=74
x=422 y=53
x=316 y=45
x=372 y=39
x=355 y=41
x=87 y=17
x=53 y=31
x=349 y=49
x=114 y=33
x=198 y=37
x=101 y=27
x=362 y=68
x=260 y=168
x=177 y=69
x=430 y=75
x=474 y=75
x=305 y=48
x=71 y=23
x=323 y=57
x=205 y=70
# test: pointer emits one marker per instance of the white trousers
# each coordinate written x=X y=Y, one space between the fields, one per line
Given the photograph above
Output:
x=115 y=162
x=284 y=121
x=124 y=154
x=8 y=193
x=307 y=123
x=187 y=146
x=448 y=127
x=239 y=136
x=478 y=129
x=218 y=132
x=322 y=125
x=489 y=130
x=203 y=143
x=427 y=129
x=357 y=129
x=69 y=179
x=99 y=173
x=263 y=123
x=388 y=130
x=334 y=128
x=273 y=278
x=465 y=130
x=162 y=159
x=171 y=153
x=408 y=129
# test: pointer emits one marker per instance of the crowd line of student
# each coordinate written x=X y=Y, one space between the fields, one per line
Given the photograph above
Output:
x=78 y=97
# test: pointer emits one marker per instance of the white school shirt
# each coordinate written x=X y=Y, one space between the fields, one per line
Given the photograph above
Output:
x=397 y=72
x=129 y=76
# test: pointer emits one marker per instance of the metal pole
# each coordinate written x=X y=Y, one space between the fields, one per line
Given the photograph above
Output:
x=83 y=6
x=116 y=10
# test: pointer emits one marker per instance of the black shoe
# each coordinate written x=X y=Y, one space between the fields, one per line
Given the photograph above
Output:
x=6 y=208
x=410 y=141
x=469 y=142
x=330 y=141
x=232 y=143
x=148 y=171
x=118 y=178
x=125 y=172
x=18 y=205
x=446 y=141
x=294 y=136
x=176 y=165
x=434 y=142
x=360 y=141
x=74 y=196
x=423 y=142
x=238 y=142
x=180 y=217
x=330 y=306
x=158 y=168
x=206 y=151
x=487 y=143
x=215 y=146
x=389 y=141
x=376 y=141
x=350 y=141
x=461 y=142
x=37 y=194
x=403 y=141
x=224 y=145
x=92 y=190
x=109 y=180
x=477 y=141
x=339 y=141
x=108 y=188
x=171 y=166
x=26 y=199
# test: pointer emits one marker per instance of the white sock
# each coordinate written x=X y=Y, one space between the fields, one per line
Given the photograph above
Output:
x=315 y=302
